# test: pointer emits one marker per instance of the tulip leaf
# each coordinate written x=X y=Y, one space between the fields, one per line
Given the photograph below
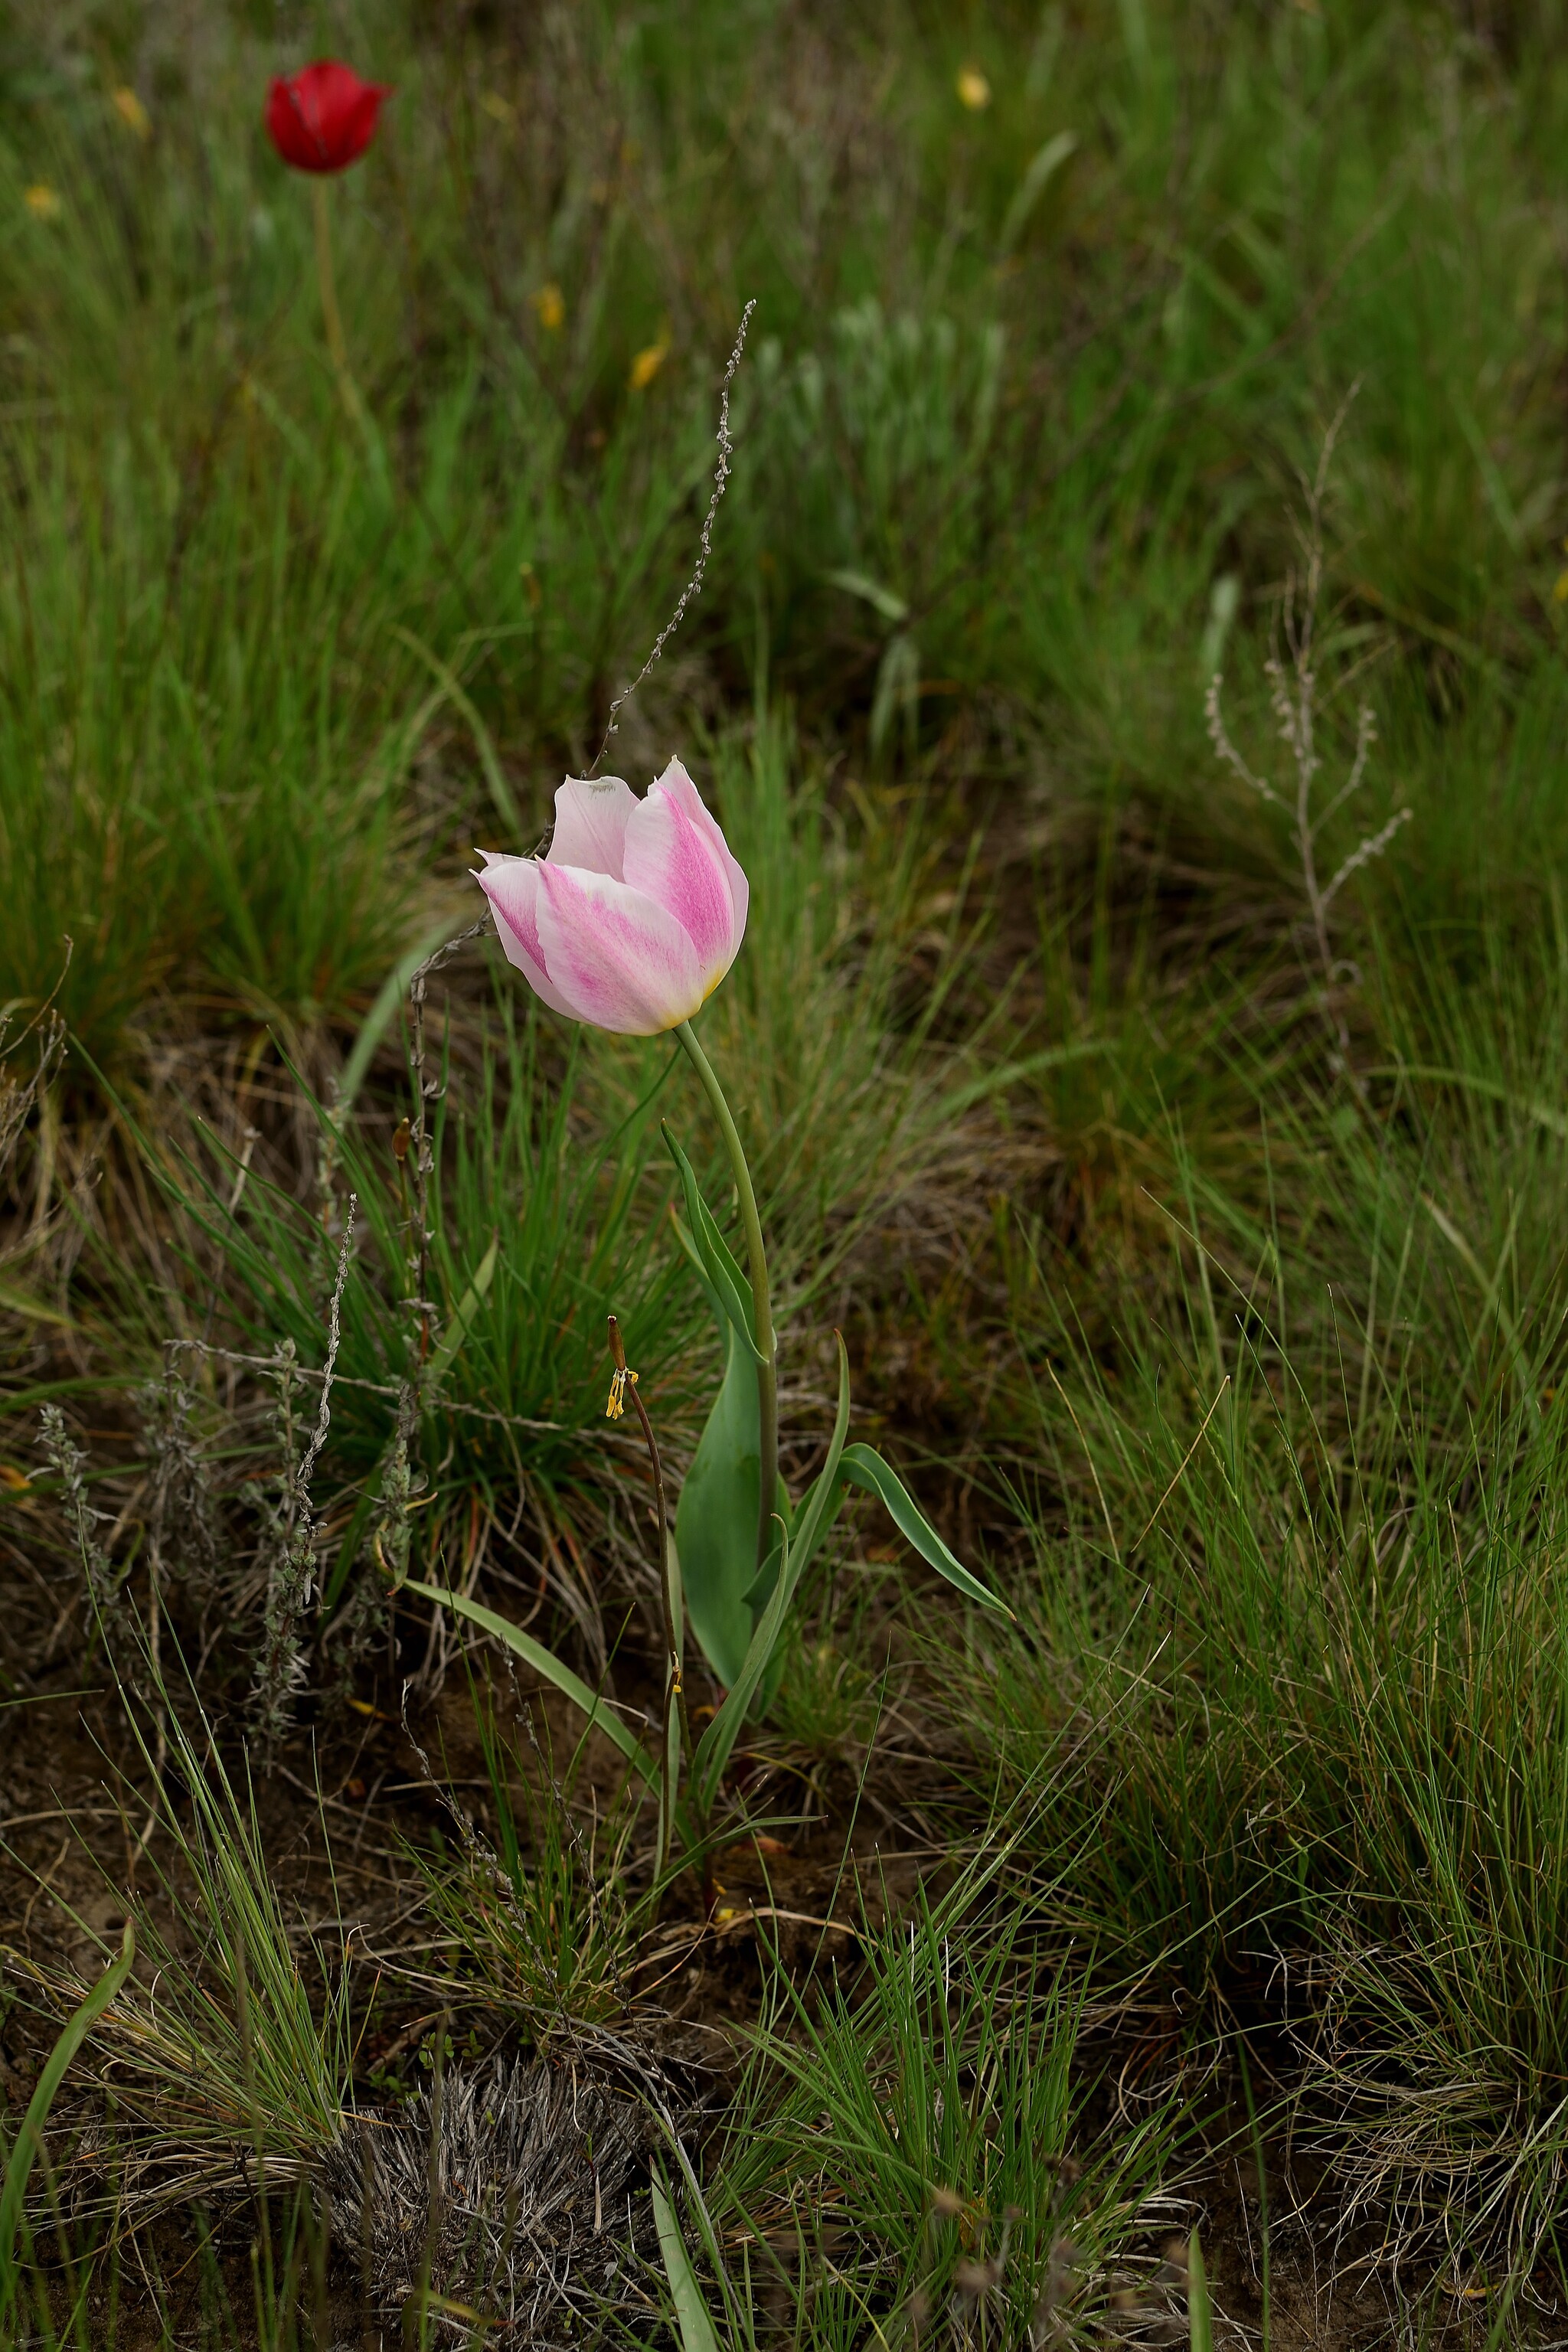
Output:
x=819 y=1507
x=600 y=1716
x=723 y=1297
x=713 y=1749
x=759 y=1592
x=716 y=1517
x=862 y=1466
x=711 y=1255
x=773 y=1590
x=820 y=1504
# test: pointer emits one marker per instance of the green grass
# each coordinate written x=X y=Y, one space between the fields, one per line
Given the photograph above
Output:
x=1224 y=1338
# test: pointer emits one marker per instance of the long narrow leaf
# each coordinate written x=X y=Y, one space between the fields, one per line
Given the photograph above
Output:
x=1200 y=2311
x=723 y=1297
x=463 y=1314
x=864 y=1466
x=501 y=790
x=543 y=1662
x=714 y=1748
x=716 y=1517
x=696 y=2330
x=29 y=2140
x=819 y=1508
x=711 y=1252
x=381 y=1016
x=793 y=1553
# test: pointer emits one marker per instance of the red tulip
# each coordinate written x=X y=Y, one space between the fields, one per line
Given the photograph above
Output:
x=323 y=117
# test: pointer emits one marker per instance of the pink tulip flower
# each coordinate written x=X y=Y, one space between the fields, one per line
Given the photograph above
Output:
x=636 y=912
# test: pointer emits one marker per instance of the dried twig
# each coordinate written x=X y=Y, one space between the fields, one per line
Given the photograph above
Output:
x=1294 y=684
x=693 y=588
x=292 y=1530
x=70 y=1465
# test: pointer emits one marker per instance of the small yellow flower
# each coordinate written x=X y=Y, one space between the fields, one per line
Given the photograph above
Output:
x=549 y=303
x=974 y=89
x=41 y=201
x=646 y=365
x=498 y=109
x=131 y=112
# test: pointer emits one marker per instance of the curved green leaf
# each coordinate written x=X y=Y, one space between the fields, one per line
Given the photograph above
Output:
x=863 y=1466
x=501 y=790
x=544 y=1662
x=710 y=1253
x=820 y=1506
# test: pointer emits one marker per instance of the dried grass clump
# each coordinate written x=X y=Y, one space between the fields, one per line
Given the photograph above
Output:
x=506 y=2190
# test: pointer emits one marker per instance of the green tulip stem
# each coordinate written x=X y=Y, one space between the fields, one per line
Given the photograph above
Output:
x=332 y=317
x=761 y=1304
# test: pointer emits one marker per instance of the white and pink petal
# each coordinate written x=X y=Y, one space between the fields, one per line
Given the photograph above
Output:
x=622 y=961
x=591 y=814
x=674 y=862
x=675 y=781
x=511 y=885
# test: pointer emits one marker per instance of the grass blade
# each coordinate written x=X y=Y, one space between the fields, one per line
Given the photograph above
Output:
x=29 y=2140
x=1200 y=2311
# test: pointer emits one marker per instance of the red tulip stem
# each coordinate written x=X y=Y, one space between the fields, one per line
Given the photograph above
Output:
x=332 y=318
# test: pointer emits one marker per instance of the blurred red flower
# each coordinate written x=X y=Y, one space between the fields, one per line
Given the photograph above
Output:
x=323 y=117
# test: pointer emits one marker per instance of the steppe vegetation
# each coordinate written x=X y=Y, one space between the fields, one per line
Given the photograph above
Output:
x=1161 y=1085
